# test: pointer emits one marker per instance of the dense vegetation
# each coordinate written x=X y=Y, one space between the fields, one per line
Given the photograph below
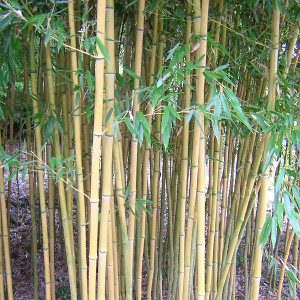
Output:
x=162 y=136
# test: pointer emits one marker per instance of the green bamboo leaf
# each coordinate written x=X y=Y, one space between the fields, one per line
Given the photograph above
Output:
x=1 y=113
x=296 y=194
x=165 y=119
x=268 y=161
x=211 y=75
x=145 y=125
x=143 y=120
x=171 y=52
x=130 y=126
x=174 y=112
x=216 y=129
x=132 y=74
x=196 y=115
x=237 y=108
x=90 y=80
x=265 y=231
x=279 y=180
x=189 y=116
x=60 y=41
x=166 y=136
x=102 y=48
x=12 y=174
x=108 y=115
x=48 y=36
x=274 y=230
x=218 y=109
x=225 y=105
x=159 y=82
x=115 y=127
x=280 y=215
x=290 y=213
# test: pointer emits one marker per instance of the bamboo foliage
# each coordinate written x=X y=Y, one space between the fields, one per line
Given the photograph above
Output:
x=154 y=138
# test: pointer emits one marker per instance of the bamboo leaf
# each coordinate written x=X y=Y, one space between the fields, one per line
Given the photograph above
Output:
x=132 y=74
x=166 y=136
x=236 y=106
x=274 y=231
x=130 y=126
x=102 y=48
x=145 y=125
x=174 y=112
x=143 y=120
x=279 y=180
x=216 y=129
x=171 y=52
x=108 y=115
x=90 y=80
x=12 y=174
x=1 y=113
x=290 y=213
x=165 y=119
x=280 y=215
x=265 y=231
x=268 y=161
x=189 y=116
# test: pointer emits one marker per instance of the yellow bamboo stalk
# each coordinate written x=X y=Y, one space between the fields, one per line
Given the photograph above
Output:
x=62 y=197
x=107 y=150
x=134 y=142
x=285 y=259
x=155 y=182
x=184 y=259
x=2 y=292
x=200 y=28
x=261 y=212
x=40 y=173
x=240 y=219
x=116 y=257
x=97 y=135
x=78 y=153
x=146 y=160
x=31 y=187
x=110 y=256
x=51 y=206
x=5 y=233
x=213 y=223
x=120 y=192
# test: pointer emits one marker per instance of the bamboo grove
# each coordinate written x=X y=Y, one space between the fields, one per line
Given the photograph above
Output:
x=160 y=147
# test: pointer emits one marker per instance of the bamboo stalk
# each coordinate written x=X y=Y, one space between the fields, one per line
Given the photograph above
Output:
x=97 y=137
x=38 y=140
